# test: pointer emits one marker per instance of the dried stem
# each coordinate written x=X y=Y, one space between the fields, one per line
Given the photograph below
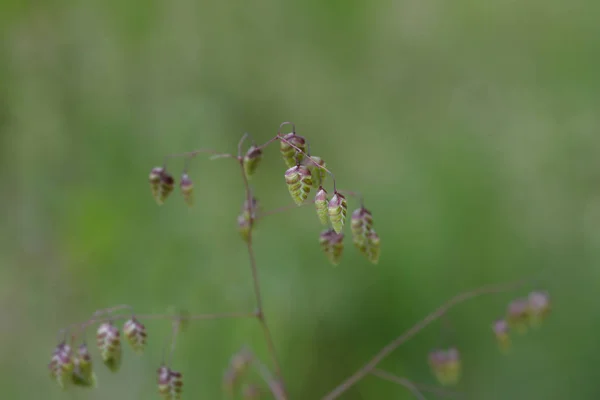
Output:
x=273 y=384
x=418 y=327
x=415 y=388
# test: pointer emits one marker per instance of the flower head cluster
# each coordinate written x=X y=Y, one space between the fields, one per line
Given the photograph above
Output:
x=170 y=383
x=446 y=365
x=162 y=185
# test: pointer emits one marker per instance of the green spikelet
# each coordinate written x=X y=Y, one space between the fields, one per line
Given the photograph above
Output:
x=337 y=209
x=83 y=373
x=446 y=366
x=299 y=182
x=170 y=383
x=501 y=331
x=154 y=180
x=332 y=244
x=167 y=184
x=252 y=160
x=109 y=344
x=187 y=189
x=321 y=205
x=518 y=315
x=318 y=174
x=62 y=365
x=374 y=247
x=361 y=224
x=136 y=334
x=290 y=154
x=539 y=308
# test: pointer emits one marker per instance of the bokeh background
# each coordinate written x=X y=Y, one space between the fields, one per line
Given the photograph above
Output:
x=470 y=127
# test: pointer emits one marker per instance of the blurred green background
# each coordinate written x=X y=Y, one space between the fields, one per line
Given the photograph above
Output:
x=470 y=127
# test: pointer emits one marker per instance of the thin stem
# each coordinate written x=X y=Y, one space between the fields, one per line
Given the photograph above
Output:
x=174 y=332
x=401 y=381
x=418 y=327
x=412 y=386
x=265 y=374
x=287 y=123
x=240 y=143
x=354 y=194
x=191 y=154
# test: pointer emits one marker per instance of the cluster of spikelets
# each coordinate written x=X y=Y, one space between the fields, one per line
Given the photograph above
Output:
x=306 y=172
x=162 y=185
x=521 y=315
x=68 y=369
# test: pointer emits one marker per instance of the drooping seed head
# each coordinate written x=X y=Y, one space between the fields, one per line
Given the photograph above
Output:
x=252 y=160
x=289 y=145
x=83 y=374
x=501 y=330
x=321 y=205
x=170 y=383
x=61 y=365
x=361 y=224
x=539 y=307
x=154 y=179
x=299 y=182
x=167 y=184
x=446 y=365
x=518 y=315
x=136 y=334
x=109 y=344
x=337 y=209
x=332 y=244
x=374 y=246
x=315 y=165
x=187 y=189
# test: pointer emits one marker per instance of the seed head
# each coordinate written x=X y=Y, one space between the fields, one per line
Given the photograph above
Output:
x=187 y=187
x=170 y=383
x=374 y=247
x=167 y=184
x=109 y=344
x=321 y=205
x=319 y=174
x=446 y=365
x=136 y=334
x=337 y=209
x=290 y=154
x=154 y=180
x=332 y=244
x=501 y=330
x=252 y=160
x=299 y=182
x=517 y=315
x=246 y=219
x=61 y=365
x=83 y=374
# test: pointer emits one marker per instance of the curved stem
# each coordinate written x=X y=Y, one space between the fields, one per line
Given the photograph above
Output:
x=401 y=381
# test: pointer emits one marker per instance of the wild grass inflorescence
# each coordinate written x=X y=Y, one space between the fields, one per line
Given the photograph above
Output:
x=247 y=376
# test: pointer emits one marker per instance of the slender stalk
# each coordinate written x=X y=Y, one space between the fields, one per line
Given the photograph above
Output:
x=418 y=327
x=416 y=388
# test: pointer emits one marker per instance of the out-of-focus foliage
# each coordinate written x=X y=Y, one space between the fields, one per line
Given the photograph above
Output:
x=471 y=128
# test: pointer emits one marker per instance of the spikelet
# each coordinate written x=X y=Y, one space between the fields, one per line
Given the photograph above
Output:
x=170 y=383
x=109 y=344
x=501 y=331
x=290 y=154
x=299 y=182
x=83 y=373
x=135 y=333
x=332 y=244
x=61 y=365
x=337 y=209
x=187 y=189
x=252 y=160
x=318 y=174
x=361 y=224
x=321 y=205
x=245 y=220
x=539 y=308
x=518 y=316
x=374 y=247
x=154 y=180
x=167 y=184
x=446 y=366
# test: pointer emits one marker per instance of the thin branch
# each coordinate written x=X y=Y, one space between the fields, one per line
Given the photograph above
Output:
x=415 y=387
x=418 y=327
x=265 y=373
x=401 y=381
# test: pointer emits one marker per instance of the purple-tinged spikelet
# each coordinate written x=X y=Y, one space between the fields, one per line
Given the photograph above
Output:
x=154 y=180
x=321 y=206
x=167 y=184
x=109 y=344
x=446 y=366
x=501 y=330
x=539 y=307
x=187 y=189
x=299 y=182
x=319 y=174
x=374 y=246
x=61 y=365
x=252 y=160
x=518 y=315
x=170 y=383
x=83 y=373
x=332 y=244
x=136 y=335
x=288 y=147
x=337 y=209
